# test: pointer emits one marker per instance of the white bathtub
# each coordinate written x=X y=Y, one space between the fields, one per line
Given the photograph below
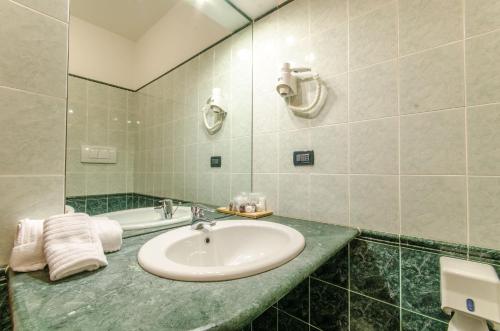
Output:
x=144 y=218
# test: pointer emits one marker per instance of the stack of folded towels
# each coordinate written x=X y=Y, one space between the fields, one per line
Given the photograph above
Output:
x=67 y=243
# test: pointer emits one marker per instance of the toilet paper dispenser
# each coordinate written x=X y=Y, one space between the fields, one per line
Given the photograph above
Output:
x=470 y=291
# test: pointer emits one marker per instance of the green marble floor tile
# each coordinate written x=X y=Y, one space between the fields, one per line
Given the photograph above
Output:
x=296 y=302
x=369 y=314
x=289 y=323
x=374 y=270
x=335 y=270
x=96 y=206
x=116 y=203
x=420 y=283
x=415 y=322
x=329 y=306
x=267 y=321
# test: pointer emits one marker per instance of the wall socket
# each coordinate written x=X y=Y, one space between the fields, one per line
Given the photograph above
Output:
x=216 y=161
x=303 y=158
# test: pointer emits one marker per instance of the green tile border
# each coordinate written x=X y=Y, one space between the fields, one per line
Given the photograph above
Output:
x=94 y=204
x=5 y=323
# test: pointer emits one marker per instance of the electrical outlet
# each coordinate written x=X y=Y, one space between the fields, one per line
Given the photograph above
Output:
x=303 y=158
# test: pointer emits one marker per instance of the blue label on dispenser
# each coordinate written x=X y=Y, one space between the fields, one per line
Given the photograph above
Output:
x=470 y=304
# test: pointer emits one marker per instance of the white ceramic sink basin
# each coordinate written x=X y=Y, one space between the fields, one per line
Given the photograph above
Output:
x=228 y=250
x=143 y=218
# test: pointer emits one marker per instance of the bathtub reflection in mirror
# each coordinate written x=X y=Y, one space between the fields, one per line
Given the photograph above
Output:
x=134 y=140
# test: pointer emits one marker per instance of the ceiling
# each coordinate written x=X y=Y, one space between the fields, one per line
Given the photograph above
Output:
x=127 y=18
x=256 y=8
x=132 y=18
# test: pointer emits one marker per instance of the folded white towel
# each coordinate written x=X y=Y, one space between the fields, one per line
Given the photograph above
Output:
x=71 y=245
x=27 y=254
x=110 y=232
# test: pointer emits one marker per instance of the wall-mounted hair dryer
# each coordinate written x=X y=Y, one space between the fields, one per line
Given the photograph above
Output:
x=288 y=84
x=215 y=104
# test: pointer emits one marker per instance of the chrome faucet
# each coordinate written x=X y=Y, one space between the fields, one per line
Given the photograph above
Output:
x=199 y=220
x=168 y=208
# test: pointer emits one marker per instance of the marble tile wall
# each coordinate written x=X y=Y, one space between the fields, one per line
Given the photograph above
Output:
x=107 y=203
x=173 y=150
x=378 y=282
x=101 y=115
x=408 y=141
x=4 y=302
x=33 y=74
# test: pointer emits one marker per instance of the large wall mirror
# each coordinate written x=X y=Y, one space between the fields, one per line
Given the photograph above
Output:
x=159 y=103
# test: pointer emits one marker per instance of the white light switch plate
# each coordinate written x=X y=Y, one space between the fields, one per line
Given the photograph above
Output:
x=98 y=154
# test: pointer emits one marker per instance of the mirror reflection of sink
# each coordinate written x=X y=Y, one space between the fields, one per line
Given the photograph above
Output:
x=144 y=218
x=228 y=250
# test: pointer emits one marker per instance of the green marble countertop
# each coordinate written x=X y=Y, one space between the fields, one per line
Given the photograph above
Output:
x=123 y=296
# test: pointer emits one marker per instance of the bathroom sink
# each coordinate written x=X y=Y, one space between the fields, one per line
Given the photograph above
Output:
x=144 y=218
x=228 y=250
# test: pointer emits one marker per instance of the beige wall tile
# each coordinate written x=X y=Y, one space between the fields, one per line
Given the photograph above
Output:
x=327 y=13
x=428 y=23
x=329 y=50
x=178 y=187
x=241 y=155
x=222 y=187
x=288 y=143
x=43 y=43
x=373 y=38
x=483 y=125
x=21 y=197
x=291 y=20
x=330 y=147
x=433 y=143
x=375 y=203
x=294 y=203
x=77 y=90
x=329 y=200
x=481 y=16
x=482 y=55
x=32 y=133
x=267 y=184
x=265 y=153
x=240 y=183
x=361 y=7
x=374 y=147
x=335 y=107
x=434 y=207
x=205 y=187
x=432 y=80
x=484 y=223
x=373 y=92
x=55 y=8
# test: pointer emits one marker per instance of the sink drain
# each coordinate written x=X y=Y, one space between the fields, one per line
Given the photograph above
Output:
x=207 y=240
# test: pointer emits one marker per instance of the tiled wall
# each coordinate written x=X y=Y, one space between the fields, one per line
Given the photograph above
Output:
x=4 y=303
x=101 y=115
x=33 y=73
x=173 y=147
x=376 y=283
x=409 y=140
x=106 y=203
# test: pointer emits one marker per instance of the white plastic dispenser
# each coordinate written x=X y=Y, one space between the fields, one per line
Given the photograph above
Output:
x=471 y=292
